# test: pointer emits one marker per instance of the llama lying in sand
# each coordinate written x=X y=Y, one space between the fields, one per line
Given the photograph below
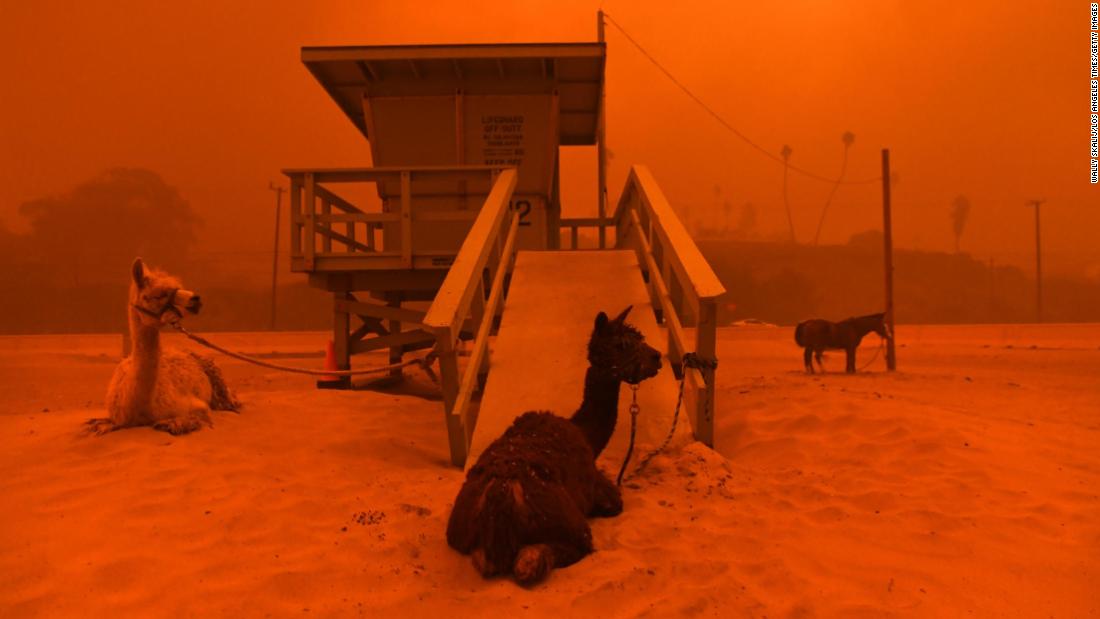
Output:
x=170 y=390
x=523 y=506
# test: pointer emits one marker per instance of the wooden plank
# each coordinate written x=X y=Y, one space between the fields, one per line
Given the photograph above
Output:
x=451 y=304
x=377 y=261
x=553 y=207
x=490 y=51
x=364 y=258
x=377 y=310
x=448 y=379
x=368 y=123
x=336 y=200
x=592 y=281
x=295 y=216
x=414 y=336
x=460 y=145
x=705 y=334
x=309 y=230
x=554 y=220
x=601 y=144
x=370 y=325
x=393 y=302
x=468 y=215
x=350 y=243
x=359 y=217
x=480 y=353
x=676 y=337
x=700 y=280
x=406 y=220
x=393 y=173
x=694 y=396
x=341 y=345
x=425 y=281
x=586 y=222
x=326 y=236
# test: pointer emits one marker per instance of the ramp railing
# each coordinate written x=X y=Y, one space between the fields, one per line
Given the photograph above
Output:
x=486 y=254
x=681 y=284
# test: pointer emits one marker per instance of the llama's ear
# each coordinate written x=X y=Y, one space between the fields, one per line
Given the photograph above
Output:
x=139 y=272
x=621 y=317
x=601 y=321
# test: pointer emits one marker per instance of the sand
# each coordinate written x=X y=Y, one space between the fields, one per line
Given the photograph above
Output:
x=966 y=484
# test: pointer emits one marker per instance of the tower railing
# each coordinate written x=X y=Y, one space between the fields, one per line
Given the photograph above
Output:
x=330 y=233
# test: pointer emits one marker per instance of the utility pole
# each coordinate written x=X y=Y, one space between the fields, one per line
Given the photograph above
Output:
x=1038 y=264
x=888 y=256
x=786 y=152
x=275 y=260
x=992 y=290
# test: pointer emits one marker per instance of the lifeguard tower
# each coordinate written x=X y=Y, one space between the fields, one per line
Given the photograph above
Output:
x=465 y=140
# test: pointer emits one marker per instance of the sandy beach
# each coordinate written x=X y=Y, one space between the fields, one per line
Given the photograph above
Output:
x=965 y=484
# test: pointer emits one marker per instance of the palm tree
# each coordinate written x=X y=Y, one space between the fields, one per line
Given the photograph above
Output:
x=847 y=138
x=960 y=212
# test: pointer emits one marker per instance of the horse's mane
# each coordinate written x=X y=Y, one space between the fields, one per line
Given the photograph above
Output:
x=875 y=316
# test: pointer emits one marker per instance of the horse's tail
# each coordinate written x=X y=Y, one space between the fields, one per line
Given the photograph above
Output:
x=798 y=334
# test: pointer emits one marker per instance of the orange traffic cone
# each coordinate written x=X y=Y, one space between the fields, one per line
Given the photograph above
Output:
x=331 y=381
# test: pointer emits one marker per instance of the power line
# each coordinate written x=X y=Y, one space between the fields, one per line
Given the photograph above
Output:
x=744 y=138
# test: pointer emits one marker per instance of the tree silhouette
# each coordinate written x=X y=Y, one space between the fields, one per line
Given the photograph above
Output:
x=960 y=213
x=847 y=138
x=747 y=221
x=95 y=230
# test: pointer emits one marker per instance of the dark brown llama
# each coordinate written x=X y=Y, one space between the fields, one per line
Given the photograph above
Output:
x=817 y=335
x=523 y=506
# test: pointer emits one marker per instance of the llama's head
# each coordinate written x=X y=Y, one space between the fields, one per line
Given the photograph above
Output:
x=157 y=298
x=620 y=351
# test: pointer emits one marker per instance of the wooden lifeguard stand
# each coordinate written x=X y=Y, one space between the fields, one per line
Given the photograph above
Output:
x=466 y=139
x=442 y=122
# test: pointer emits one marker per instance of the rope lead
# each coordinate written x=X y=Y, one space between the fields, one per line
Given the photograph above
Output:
x=689 y=360
x=634 y=409
x=424 y=362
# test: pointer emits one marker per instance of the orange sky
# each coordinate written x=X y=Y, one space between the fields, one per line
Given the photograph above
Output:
x=987 y=99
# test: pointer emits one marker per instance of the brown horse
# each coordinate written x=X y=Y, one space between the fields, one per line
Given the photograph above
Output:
x=817 y=335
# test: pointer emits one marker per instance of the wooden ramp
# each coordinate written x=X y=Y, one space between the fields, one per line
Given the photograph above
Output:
x=540 y=354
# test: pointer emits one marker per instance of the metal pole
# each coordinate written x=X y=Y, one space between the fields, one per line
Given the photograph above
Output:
x=601 y=139
x=1038 y=264
x=888 y=255
x=275 y=259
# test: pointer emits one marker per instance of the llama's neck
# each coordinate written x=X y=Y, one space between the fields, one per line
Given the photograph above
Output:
x=600 y=409
x=145 y=355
